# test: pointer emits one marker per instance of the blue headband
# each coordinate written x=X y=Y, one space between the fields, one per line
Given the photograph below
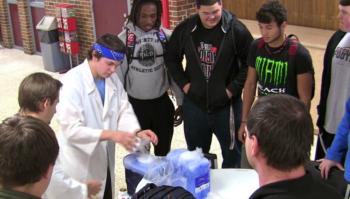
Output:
x=108 y=53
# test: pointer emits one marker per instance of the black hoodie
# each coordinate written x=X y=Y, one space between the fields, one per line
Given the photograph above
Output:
x=230 y=68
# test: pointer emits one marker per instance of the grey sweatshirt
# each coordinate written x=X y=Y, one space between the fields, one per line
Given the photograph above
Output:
x=147 y=76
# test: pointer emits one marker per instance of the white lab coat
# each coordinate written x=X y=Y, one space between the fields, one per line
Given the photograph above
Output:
x=82 y=117
x=63 y=185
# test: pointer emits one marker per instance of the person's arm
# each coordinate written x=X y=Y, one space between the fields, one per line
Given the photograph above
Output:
x=174 y=56
x=305 y=75
x=128 y=123
x=304 y=87
x=339 y=145
x=340 y=142
x=70 y=116
x=248 y=98
x=243 y=40
x=62 y=184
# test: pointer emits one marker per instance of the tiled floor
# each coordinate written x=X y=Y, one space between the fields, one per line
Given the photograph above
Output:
x=14 y=65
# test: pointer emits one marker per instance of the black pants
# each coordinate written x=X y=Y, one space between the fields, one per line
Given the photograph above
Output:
x=157 y=115
x=108 y=189
x=327 y=140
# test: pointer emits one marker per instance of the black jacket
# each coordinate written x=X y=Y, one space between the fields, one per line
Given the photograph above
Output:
x=326 y=76
x=230 y=68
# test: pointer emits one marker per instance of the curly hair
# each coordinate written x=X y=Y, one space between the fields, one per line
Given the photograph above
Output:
x=271 y=11
x=136 y=7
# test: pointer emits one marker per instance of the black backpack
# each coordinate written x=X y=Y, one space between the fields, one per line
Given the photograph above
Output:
x=151 y=191
x=292 y=51
x=335 y=177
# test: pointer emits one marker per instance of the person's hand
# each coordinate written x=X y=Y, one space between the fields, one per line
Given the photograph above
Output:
x=228 y=93
x=326 y=165
x=186 y=88
x=93 y=187
x=178 y=116
x=241 y=132
x=127 y=140
x=148 y=134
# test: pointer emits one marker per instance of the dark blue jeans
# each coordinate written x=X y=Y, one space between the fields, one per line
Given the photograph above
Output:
x=200 y=125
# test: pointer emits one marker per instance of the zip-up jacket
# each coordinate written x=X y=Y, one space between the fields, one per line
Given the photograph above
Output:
x=230 y=67
x=326 y=76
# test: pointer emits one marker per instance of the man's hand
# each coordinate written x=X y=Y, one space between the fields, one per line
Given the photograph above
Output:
x=127 y=140
x=241 y=132
x=93 y=187
x=326 y=165
x=148 y=134
x=178 y=116
x=186 y=88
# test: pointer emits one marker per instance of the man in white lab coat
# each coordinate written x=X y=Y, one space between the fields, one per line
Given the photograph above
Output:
x=37 y=97
x=94 y=113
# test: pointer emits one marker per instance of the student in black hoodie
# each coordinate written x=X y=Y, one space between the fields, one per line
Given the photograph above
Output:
x=216 y=46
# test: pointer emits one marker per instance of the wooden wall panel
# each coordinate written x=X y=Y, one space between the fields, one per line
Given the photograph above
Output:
x=311 y=13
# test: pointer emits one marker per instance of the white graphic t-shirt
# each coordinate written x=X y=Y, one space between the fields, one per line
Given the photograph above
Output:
x=339 y=90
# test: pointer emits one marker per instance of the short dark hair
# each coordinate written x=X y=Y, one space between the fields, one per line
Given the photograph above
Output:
x=35 y=88
x=28 y=147
x=109 y=41
x=200 y=3
x=344 y=2
x=136 y=7
x=271 y=11
x=284 y=130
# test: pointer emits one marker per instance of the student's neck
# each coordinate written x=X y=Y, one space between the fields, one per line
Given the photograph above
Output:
x=32 y=189
x=39 y=116
x=269 y=175
x=277 y=42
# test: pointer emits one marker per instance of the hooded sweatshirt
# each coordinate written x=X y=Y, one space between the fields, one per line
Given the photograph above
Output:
x=146 y=76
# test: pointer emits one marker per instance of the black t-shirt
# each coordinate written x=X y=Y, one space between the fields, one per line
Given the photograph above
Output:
x=277 y=69
x=207 y=43
x=305 y=187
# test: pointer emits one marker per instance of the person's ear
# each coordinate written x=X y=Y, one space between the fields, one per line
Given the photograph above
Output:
x=94 y=56
x=255 y=149
x=284 y=26
x=46 y=103
x=42 y=105
x=48 y=173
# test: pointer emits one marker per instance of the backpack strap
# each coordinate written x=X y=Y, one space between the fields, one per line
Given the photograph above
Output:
x=130 y=49
x=261 y=43
x=162 y=38
x=294 y=40
x=130 y=44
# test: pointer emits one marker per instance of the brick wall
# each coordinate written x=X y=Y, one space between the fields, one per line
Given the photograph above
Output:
x=26 y=26
x=180 y=10
x=83 y=14
x=6 y=35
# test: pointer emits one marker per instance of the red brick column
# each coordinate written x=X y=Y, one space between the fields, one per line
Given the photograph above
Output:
x=6 y=34
x=26 y=26
x=180 y=10
x=85 y=22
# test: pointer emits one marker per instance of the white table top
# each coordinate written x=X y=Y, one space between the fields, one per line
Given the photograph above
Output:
x=228 y=183
x=232 y=183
